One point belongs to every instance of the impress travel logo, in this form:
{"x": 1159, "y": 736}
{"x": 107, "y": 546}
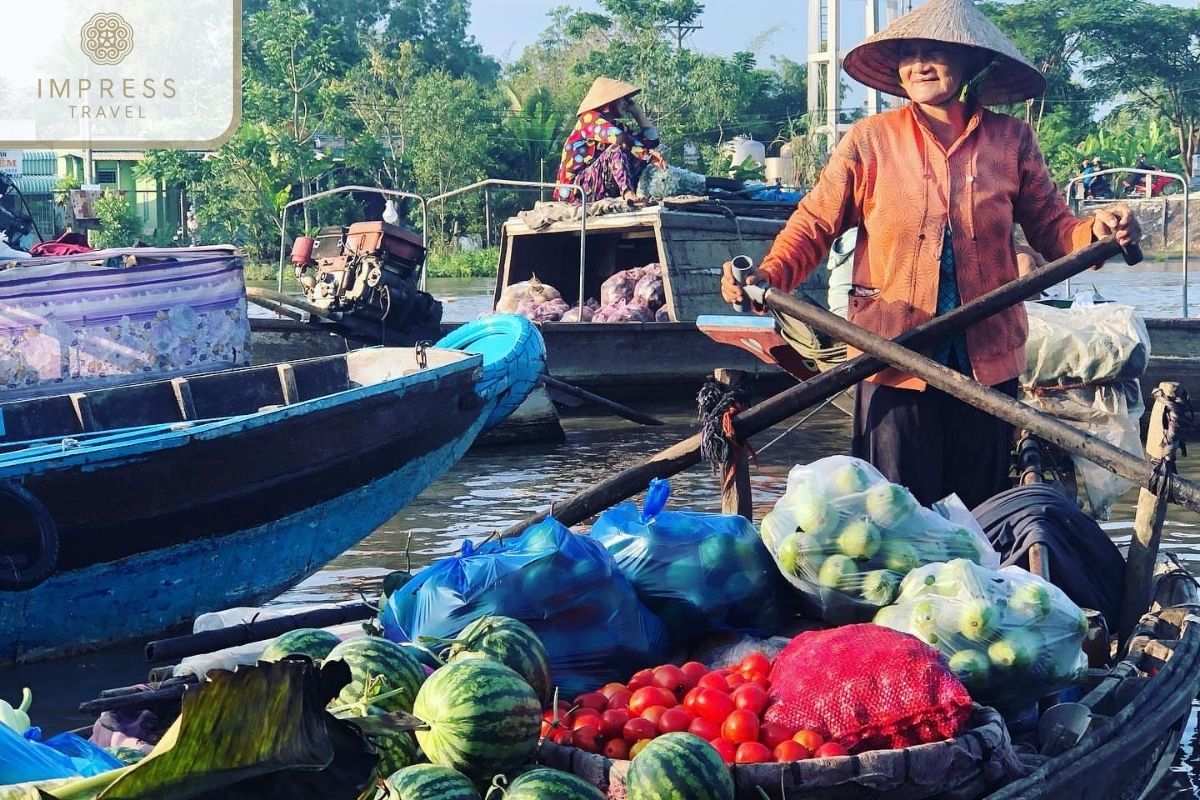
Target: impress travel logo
{"x": 138, "y": 74}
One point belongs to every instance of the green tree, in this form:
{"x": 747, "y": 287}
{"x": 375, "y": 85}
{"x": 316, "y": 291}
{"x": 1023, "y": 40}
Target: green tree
{"x": 120, "y": 223}
{"x": 1149, "y": 55}
{"x": 437, "y": 29}
{"x": 534, "y": 130}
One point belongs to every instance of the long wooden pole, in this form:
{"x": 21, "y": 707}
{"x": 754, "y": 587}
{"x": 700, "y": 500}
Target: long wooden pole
{"x": 686, "y": 453}
{"x": 1115, "y": 460}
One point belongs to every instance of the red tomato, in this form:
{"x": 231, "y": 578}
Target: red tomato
{"x": 654, "y": 714}
{"x": 810, "y": 739}
{"x": 753, "y": 753}
{"x": 643, "y": 677}
{"x": 613, "y": 721}
{"x": 734, "y": 680}
{"x": 608, "y": 689}
{"x": 644, "y": 698}
{"x": 791, "y": 751}
{"x": 726, "y": 748}
{"x": 713, "y": 680}
{"x": 637, "y": 729}
{"x": 689, "y": 701}
{"x": 704, "y": 729}
{"x": 694, "y": 671}
{"x": 674, "y": 720}
{"x": 755, "y": 662}
{"x": 714, "y": 706}
{"x": 758, "y": 680}
{"x": 831, "y": 750}
{"x": 750, "y": 697}
{"x": 592, "y": 700}
{"x": 616, "y": 749}
{"x": 585, "y": 716}
{"x": 561, "y": 736}
{"x": 587, "y": 738}
{"x": 620, "y": 699}
{"x": 671, "y": 678}
{"x": 740, "y": 726}
{"x": 772, "y": 734}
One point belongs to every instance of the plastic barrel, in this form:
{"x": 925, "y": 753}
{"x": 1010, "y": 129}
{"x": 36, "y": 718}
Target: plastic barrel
{"x": 514, "y": 357}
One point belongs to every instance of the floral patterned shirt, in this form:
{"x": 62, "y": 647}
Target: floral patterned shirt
{"x": 595, "y": 131}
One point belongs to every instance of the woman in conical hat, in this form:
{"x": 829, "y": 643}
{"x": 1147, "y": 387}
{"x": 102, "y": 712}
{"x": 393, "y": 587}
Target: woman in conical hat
{"x": 934, "y": 189}
{"x": 603, "y": 155}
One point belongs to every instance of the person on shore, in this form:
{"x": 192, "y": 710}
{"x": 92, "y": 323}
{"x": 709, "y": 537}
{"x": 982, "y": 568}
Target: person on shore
{"x": 1086, "y": 169}
{"x": 604, "y": 155}
{"x": 934, "y": 189}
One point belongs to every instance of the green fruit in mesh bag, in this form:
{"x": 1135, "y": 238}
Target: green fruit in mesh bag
{"x": 961, "y": 544}
{"x": 954, "y": 579}
{"x": 838, "y": 572}
{"x": 773, "y": 531}
{"x": 791, "y": 556}
{"x": 850, "y": 478}
{"x": 812, "y": 514}
{"x": 891, "y": 617}
{"x": 977, "y": 619}
{"x": 924, "y": 618}
{"x": 899, "y": 555}
{"x": 1016, "y": 650}
{"x": 1029, "y": 601}
{"x": 880, "y": 587}
{"x": 972, "y": 668}
{"x": 859, "y": 539}
{"x": 889, "y": 504}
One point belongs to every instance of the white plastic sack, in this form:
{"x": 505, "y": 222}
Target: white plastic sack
{"x": 1084, "y": 344}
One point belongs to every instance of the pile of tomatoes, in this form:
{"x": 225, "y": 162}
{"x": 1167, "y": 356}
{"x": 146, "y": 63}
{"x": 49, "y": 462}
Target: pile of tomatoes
{"x": 722, "y": 706}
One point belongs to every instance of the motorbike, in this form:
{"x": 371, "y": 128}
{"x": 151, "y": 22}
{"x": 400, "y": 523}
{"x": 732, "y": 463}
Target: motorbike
{"x": 1100, "y": 189}
{"x": 1135, "y": 185}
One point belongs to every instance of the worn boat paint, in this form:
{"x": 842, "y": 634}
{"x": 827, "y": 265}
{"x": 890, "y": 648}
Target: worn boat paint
{"x": 166, "y": 521}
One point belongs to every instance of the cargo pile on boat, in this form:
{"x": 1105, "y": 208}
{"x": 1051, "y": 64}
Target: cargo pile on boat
{"x": 631, "y": 295}
{"x": 661, "y": 657}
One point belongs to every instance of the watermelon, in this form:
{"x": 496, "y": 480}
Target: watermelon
{"x": 513, "y": 644}
{"x": 678, "y": 766}
{"x": 551, "y": 784}
{"x": 394, "y": 666}
{"x": 431, "y": 782}
{"x": 312, "y": 642}
{"x": 483, "y": 717}
{"x": 397, "y": 750}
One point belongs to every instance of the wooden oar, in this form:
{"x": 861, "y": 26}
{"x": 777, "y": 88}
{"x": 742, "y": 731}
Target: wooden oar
{"x": 631, "y": 414}
{"x": 816, "y": 390}
{"x": 1133, "y": 468}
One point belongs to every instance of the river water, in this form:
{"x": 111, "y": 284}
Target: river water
{"x": 492, "y": 488}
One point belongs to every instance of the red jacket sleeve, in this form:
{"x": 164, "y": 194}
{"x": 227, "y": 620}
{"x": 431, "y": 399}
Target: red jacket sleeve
{"x": 1041, "y": 212}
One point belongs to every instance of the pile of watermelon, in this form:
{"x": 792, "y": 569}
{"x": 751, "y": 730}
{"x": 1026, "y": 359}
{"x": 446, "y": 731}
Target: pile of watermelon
{"x": 723, "y": 707}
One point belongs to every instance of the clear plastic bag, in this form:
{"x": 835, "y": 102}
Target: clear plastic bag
{"x": 564, "y": 586}
{"x": 1008, "y": 635}
{"x": 700, "y": 573}
{"x": 1108, "y": 411}
{"x": 845, "y": 537}
{"x": 1084, "y": 344}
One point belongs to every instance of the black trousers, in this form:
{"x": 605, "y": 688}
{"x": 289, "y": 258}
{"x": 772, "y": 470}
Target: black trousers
{"x": 933, "y": 443}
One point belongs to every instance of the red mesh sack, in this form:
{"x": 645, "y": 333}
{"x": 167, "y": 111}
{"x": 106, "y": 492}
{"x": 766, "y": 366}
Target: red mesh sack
{"x": 867, "y": 687}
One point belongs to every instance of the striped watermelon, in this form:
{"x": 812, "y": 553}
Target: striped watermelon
{"x": 551, "y": 784}
{"x": 513, "y": 644}
{"x": 431, "y": 782}
{"x": 483, "y": 717}
{"x": 312, "y": 642}
{"x": 678, "y": 766}
{"x": 375, "y": 658}
{"x": 397, "y": 750}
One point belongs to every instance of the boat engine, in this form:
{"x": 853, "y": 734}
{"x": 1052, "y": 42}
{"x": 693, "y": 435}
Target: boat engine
{"x": 366, "y": 276}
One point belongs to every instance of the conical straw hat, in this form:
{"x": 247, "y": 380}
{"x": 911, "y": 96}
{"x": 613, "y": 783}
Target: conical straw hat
{"x": 1011, "y": 79}
{"x": 605, "y": 91}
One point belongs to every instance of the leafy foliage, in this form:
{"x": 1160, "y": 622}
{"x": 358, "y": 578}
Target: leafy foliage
{"x": 120, "y": 223}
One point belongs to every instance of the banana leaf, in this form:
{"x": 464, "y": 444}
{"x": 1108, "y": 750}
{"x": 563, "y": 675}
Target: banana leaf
{"x": 260, "y": 732}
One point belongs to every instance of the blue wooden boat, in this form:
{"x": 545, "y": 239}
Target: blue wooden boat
{"x": 129, "y": 510}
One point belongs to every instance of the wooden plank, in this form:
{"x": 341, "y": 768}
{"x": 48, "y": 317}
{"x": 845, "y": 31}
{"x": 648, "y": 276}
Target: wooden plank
{"x": 83, "y": 411}
{"x": 287, "y": 383}
{"x": 183, "y": 397}
{"x": 736, "y": 497}
{"x": 669, "y": 294}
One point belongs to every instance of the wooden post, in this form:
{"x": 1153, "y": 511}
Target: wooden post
{"x": 1029, "y": 466}
{"x": 1161, "y": 441}
{"x": 183, "y": 397}
{"x": 735, "y": 472}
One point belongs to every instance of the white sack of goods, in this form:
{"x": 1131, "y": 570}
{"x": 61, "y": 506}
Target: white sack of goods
{"x": 528, "y": 298}
{"x": 845, "y": 537}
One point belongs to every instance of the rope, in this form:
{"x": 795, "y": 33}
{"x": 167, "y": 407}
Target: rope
{"x": 797, "y": 424}
{"x": 715, "y": 407}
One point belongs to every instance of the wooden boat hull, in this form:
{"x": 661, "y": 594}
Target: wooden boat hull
{"x": 156, "y": 529}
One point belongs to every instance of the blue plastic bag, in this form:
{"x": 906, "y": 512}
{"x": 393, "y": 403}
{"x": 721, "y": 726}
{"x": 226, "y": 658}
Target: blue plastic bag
{"x": 562, "y": 585}
{"x": 700, "y": 573}
{"x": 63, "y": 756}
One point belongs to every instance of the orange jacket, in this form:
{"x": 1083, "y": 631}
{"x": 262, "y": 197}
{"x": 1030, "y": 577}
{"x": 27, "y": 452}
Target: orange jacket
{"x": 891, "y": 177}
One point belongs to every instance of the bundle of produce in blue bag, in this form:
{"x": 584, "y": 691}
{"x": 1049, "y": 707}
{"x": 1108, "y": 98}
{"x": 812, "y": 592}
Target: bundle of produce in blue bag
{"x": 700, "y": 573}
{"x": 565, "y": 587}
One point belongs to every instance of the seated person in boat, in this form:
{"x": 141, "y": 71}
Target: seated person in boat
{"x": 604, "y": 155}
{"x": 934, "y": 188}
